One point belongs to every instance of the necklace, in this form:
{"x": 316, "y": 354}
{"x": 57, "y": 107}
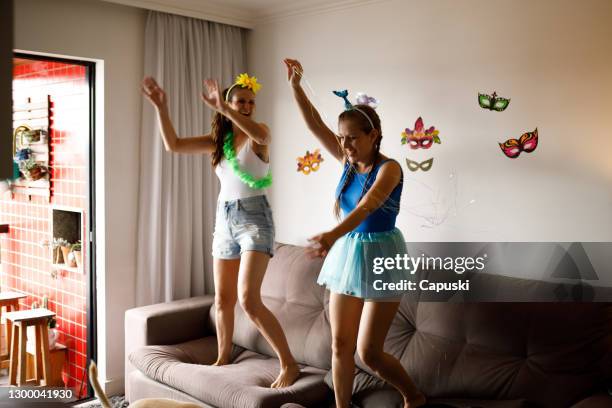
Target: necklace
{"x": 365, "y": 184}
{"x": 247, "y": 178}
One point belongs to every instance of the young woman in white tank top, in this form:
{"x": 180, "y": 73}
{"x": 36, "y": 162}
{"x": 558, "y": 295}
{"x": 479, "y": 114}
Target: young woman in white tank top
{"x": 244, "y": 230}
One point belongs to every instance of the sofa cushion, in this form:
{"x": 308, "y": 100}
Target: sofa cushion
{"x": 600, "y": 400}
{"x": 389, "y": 398}
{"x": 143, "y": 387}
{"x": 369, "y": 391}
{"x": 361, "y": 382}
{"x": 244, "y": 383}
{"x": 291, "y": 292}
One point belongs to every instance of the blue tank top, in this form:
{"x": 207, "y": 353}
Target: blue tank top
{"x": 383, "y": 218}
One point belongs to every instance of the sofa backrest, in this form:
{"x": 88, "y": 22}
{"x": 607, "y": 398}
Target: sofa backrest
{"x": 552, "y": 354}
{"x": 290, "y": 291}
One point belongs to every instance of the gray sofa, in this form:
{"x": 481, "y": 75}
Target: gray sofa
{"x": 464, "y": 354}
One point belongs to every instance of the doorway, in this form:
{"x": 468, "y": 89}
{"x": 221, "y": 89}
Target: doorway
{"x": 48, "y": 252}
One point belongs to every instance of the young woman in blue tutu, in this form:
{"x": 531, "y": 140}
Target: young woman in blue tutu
{"x": 368, "y": 195}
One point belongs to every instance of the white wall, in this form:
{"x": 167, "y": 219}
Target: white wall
{"x": 431, "y": 58}
{"x": 114, "y": 34}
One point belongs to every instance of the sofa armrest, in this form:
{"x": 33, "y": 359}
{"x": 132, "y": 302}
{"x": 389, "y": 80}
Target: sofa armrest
{"x": 595, "y": 401}
{"x": 166, "y": 323}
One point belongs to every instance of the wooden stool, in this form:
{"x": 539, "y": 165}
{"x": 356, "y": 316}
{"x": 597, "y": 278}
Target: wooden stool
{"x": 10, "y": 300}
{"x": 57, "y": 359}
{"x": 21, "y": 320}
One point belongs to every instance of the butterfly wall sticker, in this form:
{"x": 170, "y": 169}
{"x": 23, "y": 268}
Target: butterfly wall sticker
{"x": 493, "y": 102}
{"x": 528, "y": 142}
{"x": 309, "y": 162}
{"x": 420, "y": 137}
{"x": 424, "y": 166}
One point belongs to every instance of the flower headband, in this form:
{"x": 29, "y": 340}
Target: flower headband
{"x": 246, "y": 82}
{"x": 362, "y": 99}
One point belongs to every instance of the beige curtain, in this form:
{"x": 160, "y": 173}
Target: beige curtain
{"x": 178, "y": 192}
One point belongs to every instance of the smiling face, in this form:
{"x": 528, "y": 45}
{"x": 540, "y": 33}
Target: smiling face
{"x": 358, "y": 145}
{"x": 356, "y": 136}
{"x": 243, "y": 101}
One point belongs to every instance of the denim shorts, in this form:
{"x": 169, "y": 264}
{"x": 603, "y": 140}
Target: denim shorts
{"x": 243, "y": 225}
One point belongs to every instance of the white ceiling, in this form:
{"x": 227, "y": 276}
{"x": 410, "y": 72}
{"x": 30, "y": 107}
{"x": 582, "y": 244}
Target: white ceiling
{"x": 243, "y": 13}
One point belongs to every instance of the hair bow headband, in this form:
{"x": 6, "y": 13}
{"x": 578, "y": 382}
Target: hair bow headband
{"x": 362, "y": 99}
{"x": 344, "y": 95}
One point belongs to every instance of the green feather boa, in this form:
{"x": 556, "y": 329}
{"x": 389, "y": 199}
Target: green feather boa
{"x": 247, "y": 178}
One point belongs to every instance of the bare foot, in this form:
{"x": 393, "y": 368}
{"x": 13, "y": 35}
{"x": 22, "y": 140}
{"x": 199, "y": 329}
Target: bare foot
{"x": 221, "y": 361}
{"x": 415, "y": 402}
{"x": 287, "y": 376}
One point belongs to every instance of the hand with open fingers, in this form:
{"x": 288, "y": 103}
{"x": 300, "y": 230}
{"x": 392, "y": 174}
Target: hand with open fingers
{"x": 212, "y": 96}
{"x": 321, "y": 244}
{"x": 294, "y": 71}
{"x": 154, "y": 93}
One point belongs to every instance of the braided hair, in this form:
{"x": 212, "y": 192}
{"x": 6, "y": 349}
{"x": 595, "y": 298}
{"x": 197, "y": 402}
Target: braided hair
{"x": 357, "y": 116}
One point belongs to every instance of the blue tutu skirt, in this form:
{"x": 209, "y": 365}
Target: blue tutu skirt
{"x": 350, "y": 266}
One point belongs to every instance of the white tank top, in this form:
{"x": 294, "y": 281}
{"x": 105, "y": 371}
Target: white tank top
{"x": 232, "y": 188}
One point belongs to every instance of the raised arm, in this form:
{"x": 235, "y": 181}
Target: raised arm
{"x": 387, "y": 178}
{"x": 157, "y": 97}
{"x": 258, "y": 132}
{"x": 310, "y": 114}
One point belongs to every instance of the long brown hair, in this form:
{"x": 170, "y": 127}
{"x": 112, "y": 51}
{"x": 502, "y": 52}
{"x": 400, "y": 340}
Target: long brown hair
{"x": 363, "y": 123}
{"x": 220, "y": 125}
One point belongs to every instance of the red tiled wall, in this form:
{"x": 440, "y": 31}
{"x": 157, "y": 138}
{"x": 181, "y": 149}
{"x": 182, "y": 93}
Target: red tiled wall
{"x": 26, "y": 265}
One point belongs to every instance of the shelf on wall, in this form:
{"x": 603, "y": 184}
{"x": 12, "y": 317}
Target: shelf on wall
{"x": 30, "y": 191}
{"x": 33, "y": 116}
{"x": 65, "y": 267}
{"x": 66, "y": 224}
